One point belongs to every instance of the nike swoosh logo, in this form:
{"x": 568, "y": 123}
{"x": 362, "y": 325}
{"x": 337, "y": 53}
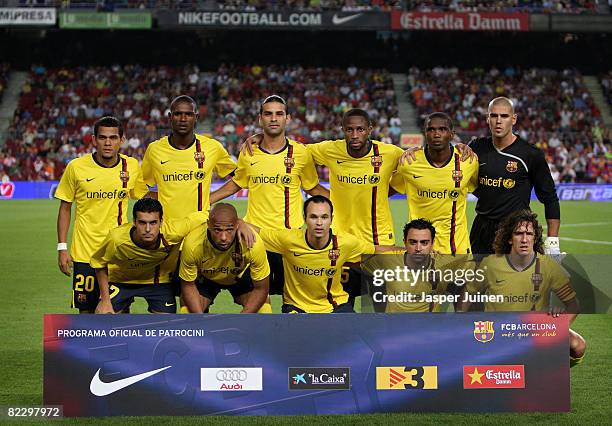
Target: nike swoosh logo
{"x": 482, "y": 164}
{"x": 252, "y": 164}
{"x": 169, "y": 304}
{"x": 100, "y": 388}
{"x": 301, "y": 254}
{"x": 340, "y": 162}
{"x": 416, "y": 177}
{"x": 499, "y": 281}
{"x": 164, "y": 162}
{"x": 89, "y": 180}
{"x": 337, "y": 20}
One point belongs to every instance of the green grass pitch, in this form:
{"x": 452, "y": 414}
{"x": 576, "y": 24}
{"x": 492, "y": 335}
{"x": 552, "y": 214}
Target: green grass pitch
{"x": 31, "y": 285}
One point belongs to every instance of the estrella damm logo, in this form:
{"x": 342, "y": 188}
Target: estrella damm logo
{"x": 512, "y": 166}
{"x": 484, "y": 331}
{"x": 200, "y": 175}
{"x": 509, "y": 183}
{"x": 286, "y": 180}
{"x": 401, "y": 378}
{"x": 374, "y": 179}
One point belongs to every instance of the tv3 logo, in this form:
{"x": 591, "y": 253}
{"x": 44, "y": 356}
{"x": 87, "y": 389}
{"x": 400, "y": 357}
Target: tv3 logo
{"x": 7, "y": 189}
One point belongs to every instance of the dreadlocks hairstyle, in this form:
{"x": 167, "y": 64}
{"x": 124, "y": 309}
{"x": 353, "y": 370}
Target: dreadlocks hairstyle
{"x": 506, "y": 228}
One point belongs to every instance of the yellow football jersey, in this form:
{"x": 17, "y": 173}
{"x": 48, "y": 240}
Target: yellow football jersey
{"x": 359, "y": 188}
{"x": 200, "y": 257}
{"x": 527, "y": 290}
{"x": 130, "y": 264}
{"x": 439, "y": 194}
{"x": 101, "y": 196}
{"x": 312, "y": 276}
{"x": 275, "y": 183}
{"x": 183, "y": 176}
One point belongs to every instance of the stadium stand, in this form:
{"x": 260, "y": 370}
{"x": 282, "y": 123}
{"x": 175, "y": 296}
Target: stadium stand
{"x": 606, "y": 85}
{"x": 531, "y": 6}
{"x": 556, "y": 112}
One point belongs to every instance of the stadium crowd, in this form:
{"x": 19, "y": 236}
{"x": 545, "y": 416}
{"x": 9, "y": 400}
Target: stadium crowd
{"x": 531, "y": 6}
{"x": 556, "y": 112}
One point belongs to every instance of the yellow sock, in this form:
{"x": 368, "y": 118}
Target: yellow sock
{"x": 266, "y": 308}
{"x": 183, "y": 310}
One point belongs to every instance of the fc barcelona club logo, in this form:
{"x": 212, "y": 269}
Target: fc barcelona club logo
{"x": 237, "y": 257}
{"x": 484, "y": 331}
{"x": 536, "y": 279}
{"x": 512, "y": 166}
{"x": 124, "y": 175}
{"x": 334, "y": 255}
{"x": 457, "y": 175}
{"x": 199, "y": 157}
{"x": 289, "y": 162}
{"x": 376, "y": 160}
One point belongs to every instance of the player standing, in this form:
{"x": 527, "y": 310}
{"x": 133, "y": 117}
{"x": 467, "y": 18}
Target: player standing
{"x": 99, "y": 184}
{"x": 217, "y": 254}
{"x": 437, "y": 183}
{"x": 508, "y": 169}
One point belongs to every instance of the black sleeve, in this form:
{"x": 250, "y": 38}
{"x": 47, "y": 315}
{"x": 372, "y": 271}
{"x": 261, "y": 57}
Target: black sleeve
{"x": 539, "y": 174}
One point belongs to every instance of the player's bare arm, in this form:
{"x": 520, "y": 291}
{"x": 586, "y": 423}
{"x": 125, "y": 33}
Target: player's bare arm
{"x": 245, "y": 232}
{"x": 228, "y": 188}
{"x": 191, "y": 297}
{"x": 63, "y": 224}
{"x": 104, "y": 305}
{"x": 256, "y": 297}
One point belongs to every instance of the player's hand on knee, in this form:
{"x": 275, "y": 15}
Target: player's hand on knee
{"x": 409, "y": 155}
{"x": 246, "y": 233}
{"x": 555, "y": 311}
{"x": 247, "y": 145}
{"x": 64, "y": 260}
{"x": 104, "y": 307}
{"x": 466, "y": 152}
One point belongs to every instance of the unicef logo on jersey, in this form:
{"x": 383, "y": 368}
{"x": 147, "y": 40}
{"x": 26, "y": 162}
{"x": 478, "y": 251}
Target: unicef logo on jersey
{"x": 509, "y": 183}
{"x": 122, "y": 194}
{"x": 286, "y": 180}
{"x": 330, "y": 272}
{"x": 374, "y": 179}
{"x": 453, "y": 195}
{"x": 200, "y": 175}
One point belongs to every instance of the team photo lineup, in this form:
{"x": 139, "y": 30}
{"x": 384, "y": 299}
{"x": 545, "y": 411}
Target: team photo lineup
{"x": 436, "y": 175}
{"x": 175, "y": 246}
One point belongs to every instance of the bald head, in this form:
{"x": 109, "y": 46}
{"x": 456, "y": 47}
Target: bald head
{"x": 501, "y": 101}
{"x": 222, "y": 224}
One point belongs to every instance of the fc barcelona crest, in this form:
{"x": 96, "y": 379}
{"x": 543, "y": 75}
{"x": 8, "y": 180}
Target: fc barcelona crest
{"x": 289, "y": 162}
{"x": 512, "y": 166}
{"x": 484, "y": 331}
{"x": 334, "y": 254}
{"x": 457, "y": 175}
{"x": 199, "y": 157}
{"x": 536, "y": 279}
{"x": 124, "y": 175}
{"x": 376, "y": 160}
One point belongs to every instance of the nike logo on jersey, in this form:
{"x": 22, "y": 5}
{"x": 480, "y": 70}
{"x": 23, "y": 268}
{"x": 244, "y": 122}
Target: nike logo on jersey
{"x": 340, "y": 162}
{"x": 169, "y": 304}
{"x": 100, "y": 388}
{"x": 164, "y": 162}
{"x": 301, "y": 254}
{"x": 90, "y": 179}
{"x": 337, "y": 20}
{"x": 499, "y": 281}
{"x": 416, "y": 177}
{"x": 252, "y": 164}
{"x": 481, "y": 164}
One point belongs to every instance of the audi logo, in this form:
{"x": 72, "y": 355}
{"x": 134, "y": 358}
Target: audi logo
{"x": 231, "y": 375}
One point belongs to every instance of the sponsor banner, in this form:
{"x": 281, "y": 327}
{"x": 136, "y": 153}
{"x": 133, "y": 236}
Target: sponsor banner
{"x": 103, "y": 365}
{"x": 231, "y": 379}
{"x": 449, "y": 21}
{"x": 27, "y": 16}
{"x": 105, "y": 20}
{"x": 493, "y": 376}
{"x": 319, "y": 378}
{"x": 274, "y": 20}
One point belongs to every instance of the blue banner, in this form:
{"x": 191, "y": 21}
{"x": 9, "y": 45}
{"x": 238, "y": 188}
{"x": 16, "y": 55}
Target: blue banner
{"x": 104, "y": 365}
